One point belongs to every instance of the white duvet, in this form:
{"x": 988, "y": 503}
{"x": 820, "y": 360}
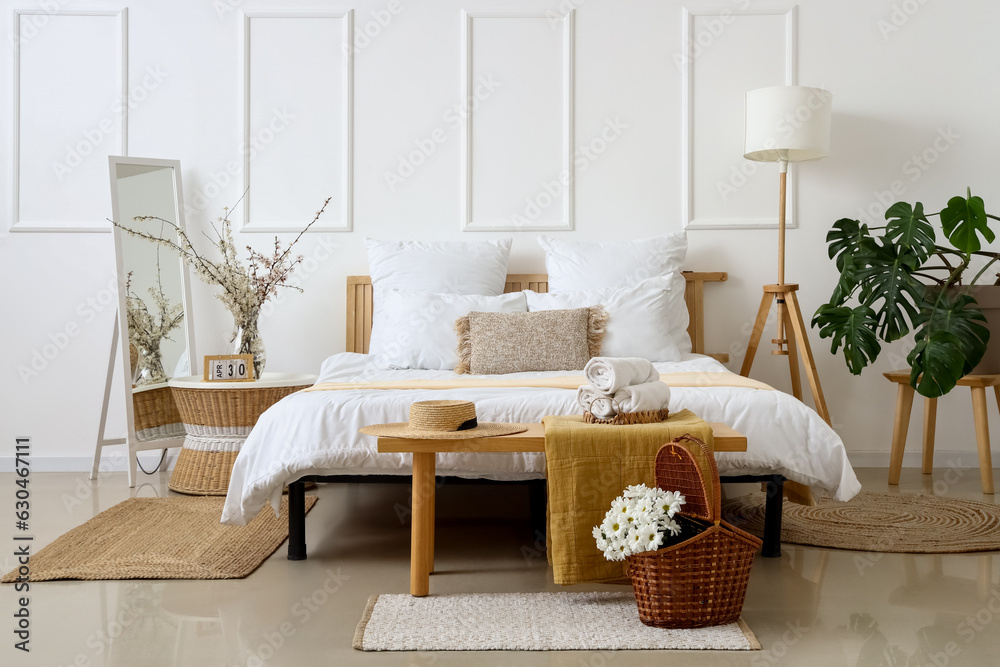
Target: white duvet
{"x": 316, "y": 433}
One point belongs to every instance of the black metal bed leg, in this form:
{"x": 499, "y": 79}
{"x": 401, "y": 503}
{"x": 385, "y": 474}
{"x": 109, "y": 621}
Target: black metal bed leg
{"x": 538, "y": 501}
{"x": 772, "y": 517}
{"x": 297, "y": 520}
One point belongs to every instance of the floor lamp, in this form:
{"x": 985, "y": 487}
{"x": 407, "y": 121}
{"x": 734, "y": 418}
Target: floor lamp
{"x": 787, "y": 124}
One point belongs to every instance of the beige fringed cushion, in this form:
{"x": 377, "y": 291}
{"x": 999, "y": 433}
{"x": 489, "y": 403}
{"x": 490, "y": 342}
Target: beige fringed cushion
{"x": 549, "y": 340}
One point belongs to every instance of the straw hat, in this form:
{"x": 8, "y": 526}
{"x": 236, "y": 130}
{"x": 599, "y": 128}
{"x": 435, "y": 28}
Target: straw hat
{"x": 443, "y": 420}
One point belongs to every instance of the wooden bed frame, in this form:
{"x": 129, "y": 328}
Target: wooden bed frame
{"x": 359, "y": 330}
{"x": 359, "y": 305}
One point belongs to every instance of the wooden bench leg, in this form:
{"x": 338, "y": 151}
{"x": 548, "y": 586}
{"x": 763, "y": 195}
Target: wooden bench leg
{"x": 930, "y": 424}
{"x": 904, "y": 402}
{"x": 297, "y": 520}
{"x": 432, "y": 522}
{"x": 422, "y": 535}
{"x": 983, "y": 437}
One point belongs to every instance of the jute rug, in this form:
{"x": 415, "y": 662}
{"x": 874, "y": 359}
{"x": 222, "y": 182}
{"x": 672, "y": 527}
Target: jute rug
{"x": 885, "y": 522}
{"x": 528, "y": 622}
{"x": 162, "y": 538}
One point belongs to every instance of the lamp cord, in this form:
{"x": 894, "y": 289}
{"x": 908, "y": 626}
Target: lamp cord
{"x": 150, "y": 472}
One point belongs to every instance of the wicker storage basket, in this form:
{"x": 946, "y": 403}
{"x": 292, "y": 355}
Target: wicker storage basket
{"x": 646, "y": 417}
{"x": 703, "y": 580}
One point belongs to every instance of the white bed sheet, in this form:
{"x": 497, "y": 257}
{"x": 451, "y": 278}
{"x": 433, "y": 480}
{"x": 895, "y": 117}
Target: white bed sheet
{"x": 316, "y": 433}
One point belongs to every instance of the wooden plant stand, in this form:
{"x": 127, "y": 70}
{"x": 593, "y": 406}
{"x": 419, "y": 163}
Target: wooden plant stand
{"x": 904, "y": 402}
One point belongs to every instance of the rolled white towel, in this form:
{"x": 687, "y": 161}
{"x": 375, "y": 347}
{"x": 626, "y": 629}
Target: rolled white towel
{"x": 609, "y": 374}
{"x": 604, "y": 408}
{"x": 590, "y": 400}
{"x": 642, "y": 397}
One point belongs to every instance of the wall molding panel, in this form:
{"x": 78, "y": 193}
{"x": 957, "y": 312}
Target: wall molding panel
{"x": 721, "y": 189}
{"x": 297, "y": 67}
{"x": 517, "y": 167}
{"x": 63, "y": 153}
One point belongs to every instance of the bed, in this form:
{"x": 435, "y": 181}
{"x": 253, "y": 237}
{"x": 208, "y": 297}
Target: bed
{"x": 315, "y": 435}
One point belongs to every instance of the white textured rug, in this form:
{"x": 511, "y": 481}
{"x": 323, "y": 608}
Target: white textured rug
{"x": 528, "y": 622}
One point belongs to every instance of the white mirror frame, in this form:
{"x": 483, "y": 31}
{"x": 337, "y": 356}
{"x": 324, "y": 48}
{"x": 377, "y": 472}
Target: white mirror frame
{"x": 120, "y": 336}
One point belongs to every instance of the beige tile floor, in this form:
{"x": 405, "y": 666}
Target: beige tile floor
{"x": 810, "y": 607}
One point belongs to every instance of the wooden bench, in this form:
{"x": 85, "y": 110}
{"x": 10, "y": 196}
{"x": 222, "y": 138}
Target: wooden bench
{"x": 425, "y": 452}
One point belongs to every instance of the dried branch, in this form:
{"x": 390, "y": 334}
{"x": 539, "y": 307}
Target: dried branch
{"x": 245, "y": 288}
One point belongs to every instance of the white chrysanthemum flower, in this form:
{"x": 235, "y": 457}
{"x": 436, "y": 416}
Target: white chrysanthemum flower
{"x": 637, "y": 536}
{"x": 638, "y": 521}
{"x": 652, "y": 538}
{"x": 619, "y": 506}
{"x": 600, "y": 538}
{"x": 614, "y": 527}
{"x": 675, "y": 498}
{"x": 636, "y": 490}
{"x": 672, "y": 526}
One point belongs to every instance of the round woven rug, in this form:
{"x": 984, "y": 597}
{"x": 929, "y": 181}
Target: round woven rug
{"x": 885, "y": 522}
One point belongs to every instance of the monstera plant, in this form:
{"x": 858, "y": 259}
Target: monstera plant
{"x": 897, "y": 278}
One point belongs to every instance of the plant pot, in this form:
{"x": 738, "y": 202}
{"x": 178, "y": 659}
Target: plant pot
{"x": 988, "y": 299}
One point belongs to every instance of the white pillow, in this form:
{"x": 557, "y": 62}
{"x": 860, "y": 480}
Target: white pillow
{"x": 641, "y": 318}
{"x": 575, "y": 266}
{"x": 419, "y": 329}
{"x": 444, "y": 267}
{"x": 453, "y": 267}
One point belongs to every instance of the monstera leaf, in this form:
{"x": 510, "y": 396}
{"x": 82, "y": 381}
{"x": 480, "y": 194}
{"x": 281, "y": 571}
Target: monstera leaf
{"x": 950, "y": 342}
{"x": 848, "y": 280}
{"x": 963, "y": 220}
{"x": 910, "y": 229}
{"x": 888, "y": 277}
{"x": 848, "y": 238}
{"x": 854, "y": 328}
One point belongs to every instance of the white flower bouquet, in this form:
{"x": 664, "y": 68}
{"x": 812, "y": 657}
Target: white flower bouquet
{"x": 638, "y": 521}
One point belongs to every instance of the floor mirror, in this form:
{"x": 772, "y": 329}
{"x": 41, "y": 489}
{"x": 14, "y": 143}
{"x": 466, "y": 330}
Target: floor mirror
{"x": 153, "y": 337}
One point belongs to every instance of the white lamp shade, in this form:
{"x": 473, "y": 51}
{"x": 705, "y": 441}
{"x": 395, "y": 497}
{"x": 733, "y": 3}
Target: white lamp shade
{"x": 787, "y": 123}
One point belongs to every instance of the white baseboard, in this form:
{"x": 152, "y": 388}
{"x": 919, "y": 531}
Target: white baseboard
{"x": 943, "y": 459}
{"x": 110, "y": 462}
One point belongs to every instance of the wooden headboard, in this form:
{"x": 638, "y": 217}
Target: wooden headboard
{"x": 359, "y": 305}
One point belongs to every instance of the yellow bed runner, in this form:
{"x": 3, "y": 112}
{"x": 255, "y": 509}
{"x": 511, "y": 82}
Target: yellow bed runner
{"x": 588, "y": 466}
{"x": 686, "y": 379}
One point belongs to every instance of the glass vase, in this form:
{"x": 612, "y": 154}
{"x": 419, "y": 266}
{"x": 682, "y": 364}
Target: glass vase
{"x": 150, "y": 368}
{"x": 247, "y": 340}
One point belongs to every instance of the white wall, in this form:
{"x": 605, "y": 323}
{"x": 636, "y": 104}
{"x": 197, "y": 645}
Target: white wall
{"x": 896, "y": 91}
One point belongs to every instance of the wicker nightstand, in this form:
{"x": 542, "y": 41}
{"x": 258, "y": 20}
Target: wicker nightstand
{"x": 217, "y": 418}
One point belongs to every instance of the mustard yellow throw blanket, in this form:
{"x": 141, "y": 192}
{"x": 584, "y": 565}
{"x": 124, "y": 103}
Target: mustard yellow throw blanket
{"x": 588, "y": 466}
{"x": 686, "y": 379}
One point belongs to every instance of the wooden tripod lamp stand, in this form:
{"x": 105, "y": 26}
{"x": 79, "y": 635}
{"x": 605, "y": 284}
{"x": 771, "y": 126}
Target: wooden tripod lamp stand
{"x": 787, "y": 124}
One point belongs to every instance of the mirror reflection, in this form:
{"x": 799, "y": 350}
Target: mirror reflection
{"x": 155, "y": 292}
